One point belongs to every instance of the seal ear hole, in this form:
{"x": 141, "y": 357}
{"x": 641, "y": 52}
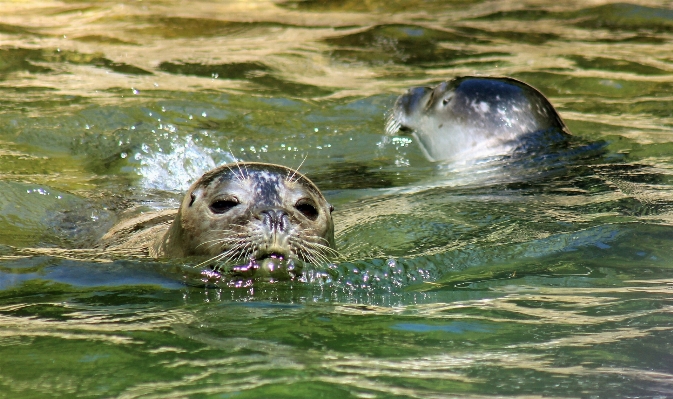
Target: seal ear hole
{"x": 223, "y": 205}
{"x": 193, "y": 198}
{"x": 307, "y": 208}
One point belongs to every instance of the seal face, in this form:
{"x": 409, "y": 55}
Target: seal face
{"x": 476, "y": 117}
{"x": 254, "y": 212}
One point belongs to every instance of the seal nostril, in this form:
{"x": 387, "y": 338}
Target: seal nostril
{"x": 275, "y": 219}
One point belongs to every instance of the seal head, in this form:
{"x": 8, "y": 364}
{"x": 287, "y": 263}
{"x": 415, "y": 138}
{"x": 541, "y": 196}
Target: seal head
{"x": 251, "y": 212}
{"x": 476, "y": 117}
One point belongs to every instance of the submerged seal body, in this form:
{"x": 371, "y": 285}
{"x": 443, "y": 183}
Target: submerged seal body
{"x": 263, "y": 215}
{"x": 476, "y": 117}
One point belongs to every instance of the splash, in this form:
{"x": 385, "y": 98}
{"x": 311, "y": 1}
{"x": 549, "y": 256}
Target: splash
{"x": 177, "y": 168}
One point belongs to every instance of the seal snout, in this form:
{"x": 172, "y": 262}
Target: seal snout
{"x": 276, "y": 220}
{"x": 414, "y": 100}
{"x": 275, "y": 223}
{"x": 406, "y": 108}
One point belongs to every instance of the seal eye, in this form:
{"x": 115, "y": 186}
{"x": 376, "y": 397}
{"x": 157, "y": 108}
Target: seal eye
{"x": 223, "y": 205}
{"x": 307, "y": 209}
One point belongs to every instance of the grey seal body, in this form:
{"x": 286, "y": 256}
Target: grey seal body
{"x": 476, "y": 117}
{"x": 261, "y": 217}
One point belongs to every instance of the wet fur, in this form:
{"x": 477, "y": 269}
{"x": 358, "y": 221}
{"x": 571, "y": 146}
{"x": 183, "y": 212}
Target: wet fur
{"x": 476, "y": 117}
{"x": 241, "y": 234}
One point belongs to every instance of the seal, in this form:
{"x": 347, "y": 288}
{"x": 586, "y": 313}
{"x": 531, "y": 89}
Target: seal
{"x": 267, "y": 216}
{"x": 473, "y": 117}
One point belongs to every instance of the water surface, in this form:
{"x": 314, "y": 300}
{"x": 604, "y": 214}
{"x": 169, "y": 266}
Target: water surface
{"x": 549, "y": 277}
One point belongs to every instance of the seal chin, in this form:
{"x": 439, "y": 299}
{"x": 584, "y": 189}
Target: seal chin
{"x": 273, "y": 266}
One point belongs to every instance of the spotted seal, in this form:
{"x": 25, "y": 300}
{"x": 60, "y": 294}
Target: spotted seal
{"x": 265, "y": 216}
{"x": 476, "y": 117}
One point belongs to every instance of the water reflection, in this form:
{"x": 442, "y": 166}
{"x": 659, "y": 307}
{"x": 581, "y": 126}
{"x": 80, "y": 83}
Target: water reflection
{"x": 541, "y": 278}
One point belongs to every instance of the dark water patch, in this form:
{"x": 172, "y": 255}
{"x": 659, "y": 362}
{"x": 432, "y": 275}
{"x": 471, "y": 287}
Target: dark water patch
{"x": 637, "y": 151}
{"x": 77, "y": 10}
{"x": 254, "y": 72}
{"x": 183, "y": 27}
{"x": 648, "y": 107}
{"x": 31, "y": 60}
{"x": 513, "y": 36}
{"x": 97, "y": 60}
{"x": 569, "y": 259}
{"x": 369, "y": 6}
{"x": 272, "y": 84}
{"x": 559, "y": 84}
{"x": 18, "y": 59}
{"x": 118, "y": 67}
{"x": 637, "y": 38}
{"x": 26, "y": 211}
{"x": 354, "y": 175}
{"x": 17, "y": 30}
{"x": 616, "y": 65}
{"x": 102, "y": 39}
{"x": 43, "y": 311}
{"x": 399, "y": 44}
{"x": 632, "y": 173}
{"x": 238, "y": 70}
{"x": 119, "y": 273}
{"x": 627, "y": 17}
{"x": 28, "y": 99}
{"x": 518, "y": 15}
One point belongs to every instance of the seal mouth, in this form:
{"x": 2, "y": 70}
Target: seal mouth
{"x": 406, "y": 109}
{"x": 271, "y": 253}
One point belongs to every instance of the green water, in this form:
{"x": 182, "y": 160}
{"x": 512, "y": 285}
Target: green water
{"x": 546, "y": 278}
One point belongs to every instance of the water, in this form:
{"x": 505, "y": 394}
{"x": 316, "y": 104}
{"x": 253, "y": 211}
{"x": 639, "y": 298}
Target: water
{"x": 545, "y": 278}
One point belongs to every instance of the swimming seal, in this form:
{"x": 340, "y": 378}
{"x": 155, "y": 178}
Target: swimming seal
{"x": 266, "y": 216}
{"x": 476, "y": 117}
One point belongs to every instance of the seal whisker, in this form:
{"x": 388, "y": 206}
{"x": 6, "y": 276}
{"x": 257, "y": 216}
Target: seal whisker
{"x": 224, "y": 241}
{"x": 239, "y": 178}
{"x": 231, "y": 230}
{"x": 321, "y": 247}
{"x": 392, "y": 124}
{"x": 294, "y": 172}
{"x": 314, "y": 251}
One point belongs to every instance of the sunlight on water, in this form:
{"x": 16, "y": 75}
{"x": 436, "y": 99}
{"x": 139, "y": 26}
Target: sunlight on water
{"x": 548, "y": 275}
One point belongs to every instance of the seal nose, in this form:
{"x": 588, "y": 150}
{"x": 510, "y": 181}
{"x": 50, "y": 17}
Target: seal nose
{"x": 275, "y": 219}
{"x": 412, "y": 101}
